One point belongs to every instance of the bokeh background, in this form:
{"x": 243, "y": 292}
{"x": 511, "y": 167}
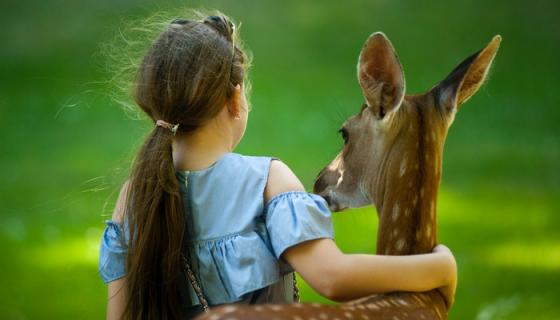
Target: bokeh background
{"x": 66, "y": 145}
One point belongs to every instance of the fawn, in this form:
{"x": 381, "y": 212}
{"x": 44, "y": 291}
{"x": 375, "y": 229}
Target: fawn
{"x": 391, "y": 158}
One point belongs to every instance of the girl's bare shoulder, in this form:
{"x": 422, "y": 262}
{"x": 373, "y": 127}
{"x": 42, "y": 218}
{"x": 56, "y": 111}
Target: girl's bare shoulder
{"x": 281, "y": 179}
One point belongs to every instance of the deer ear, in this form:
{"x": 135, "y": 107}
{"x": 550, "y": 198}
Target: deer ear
{"x": 465, "y": 80}
{"x": 380, "y": 75}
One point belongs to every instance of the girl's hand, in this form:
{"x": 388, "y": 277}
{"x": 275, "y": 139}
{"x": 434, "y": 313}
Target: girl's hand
{"x": 449, "y": 289}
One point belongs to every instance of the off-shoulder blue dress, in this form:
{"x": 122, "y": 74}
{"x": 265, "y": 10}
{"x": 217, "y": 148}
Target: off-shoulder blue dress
{"x": 235, "y": 240}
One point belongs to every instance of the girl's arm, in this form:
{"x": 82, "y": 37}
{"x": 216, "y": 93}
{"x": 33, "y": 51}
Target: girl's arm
{"x": 342, "y": 277}
{"x": 117, "y": 288}
{"x": 117, "y": 299}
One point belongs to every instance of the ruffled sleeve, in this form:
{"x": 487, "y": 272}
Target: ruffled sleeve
{"x": 296, "y": 216}
{"x": 112, "y": 252}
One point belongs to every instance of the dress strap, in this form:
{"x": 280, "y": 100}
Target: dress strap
{"x": 296, "y": 290}
{"x": 192, "y": 279}
{"x": 195, "y": 285}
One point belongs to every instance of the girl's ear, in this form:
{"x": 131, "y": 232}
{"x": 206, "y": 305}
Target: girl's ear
{"x": 234, "y": 103}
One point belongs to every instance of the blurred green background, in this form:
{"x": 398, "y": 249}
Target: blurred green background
{"x": 66, "y": 145}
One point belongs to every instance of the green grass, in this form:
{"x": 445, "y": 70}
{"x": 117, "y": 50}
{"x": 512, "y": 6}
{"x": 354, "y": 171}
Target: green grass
{"x": 66, "y": 146}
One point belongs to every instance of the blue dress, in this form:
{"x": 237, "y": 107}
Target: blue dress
{"x": 235, "y": 240}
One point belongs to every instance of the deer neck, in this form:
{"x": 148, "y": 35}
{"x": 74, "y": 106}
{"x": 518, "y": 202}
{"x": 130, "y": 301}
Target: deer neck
{"x": 407, "y": 197}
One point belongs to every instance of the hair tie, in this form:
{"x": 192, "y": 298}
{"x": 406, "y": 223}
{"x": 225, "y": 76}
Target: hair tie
{"x": 167, "y": 125}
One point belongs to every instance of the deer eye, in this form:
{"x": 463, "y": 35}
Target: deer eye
{"x": 344, "y": 133}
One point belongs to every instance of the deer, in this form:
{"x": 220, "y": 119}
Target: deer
{"x": 391, "y": 158}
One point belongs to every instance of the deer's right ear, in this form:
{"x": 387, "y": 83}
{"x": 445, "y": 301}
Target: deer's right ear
{"x": 380, "y": 75}
{"x": 465, "y": 80}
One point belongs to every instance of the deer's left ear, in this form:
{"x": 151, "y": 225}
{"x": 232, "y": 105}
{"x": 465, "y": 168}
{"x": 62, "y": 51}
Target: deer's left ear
{"x": 380, "y": 75}
{"x": 465, "y": 80}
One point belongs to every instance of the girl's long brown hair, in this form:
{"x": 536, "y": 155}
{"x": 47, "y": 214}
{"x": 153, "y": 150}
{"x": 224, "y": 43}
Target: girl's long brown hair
{"x": 186, "y": 77}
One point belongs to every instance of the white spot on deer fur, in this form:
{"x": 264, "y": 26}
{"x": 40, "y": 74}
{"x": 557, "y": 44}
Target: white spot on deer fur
{"x": 365, "y": 317}
{"x": 403, "y": 168}
{"x": 395, "y": 318}
{"x": 323, "y": 316}
{"x": 333, "y": 166}
{"x": 341, "y": 173}
{"x": 315, "y": 305}
{"x": 415, "y": 200}
{"x": 395, "y": 214}
{"x": 433, "y": 136}
{"x": 348, "y": 315}
{"x": 276, "y": 308}
{"x": 229, "y": 309}
{"x": 395, "y": 233}
{"x": 422, "y": 316}
{"x": 400, "y": 244}
{"x": 403, "y": 302}
{"x": 428, "y": 231}
{"x": 372, "y": 306}
{"x": 406, "y": 212}
{"x": 215, "y": 316}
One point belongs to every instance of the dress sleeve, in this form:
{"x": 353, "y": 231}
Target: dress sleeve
{"x": 296, "y": 216}
{"x": 112, "y": 252}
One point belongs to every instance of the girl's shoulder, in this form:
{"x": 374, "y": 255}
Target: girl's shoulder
{"x": 279, "y": 178}
{"x": 248, "y": 159}
{"x": 230, "y": 168}
{"x": 239, "y": 161}
{"x": 249, "y": 166}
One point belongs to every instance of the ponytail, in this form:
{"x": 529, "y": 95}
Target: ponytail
{"x": 155, "y": 212}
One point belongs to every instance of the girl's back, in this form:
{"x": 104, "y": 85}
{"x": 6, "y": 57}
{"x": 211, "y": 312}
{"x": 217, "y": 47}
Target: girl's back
{"x": 234, "y": 239}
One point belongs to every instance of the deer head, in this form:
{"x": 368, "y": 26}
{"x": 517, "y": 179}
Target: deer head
{"x": 392, "y": 149}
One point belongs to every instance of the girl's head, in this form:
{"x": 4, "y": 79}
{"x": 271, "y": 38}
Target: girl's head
{"x": 192, "y": 74}
{"x": 192, "y": 71}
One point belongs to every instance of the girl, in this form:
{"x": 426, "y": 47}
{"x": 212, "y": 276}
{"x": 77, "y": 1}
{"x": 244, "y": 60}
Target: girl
{"x": 209, "y": 225}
